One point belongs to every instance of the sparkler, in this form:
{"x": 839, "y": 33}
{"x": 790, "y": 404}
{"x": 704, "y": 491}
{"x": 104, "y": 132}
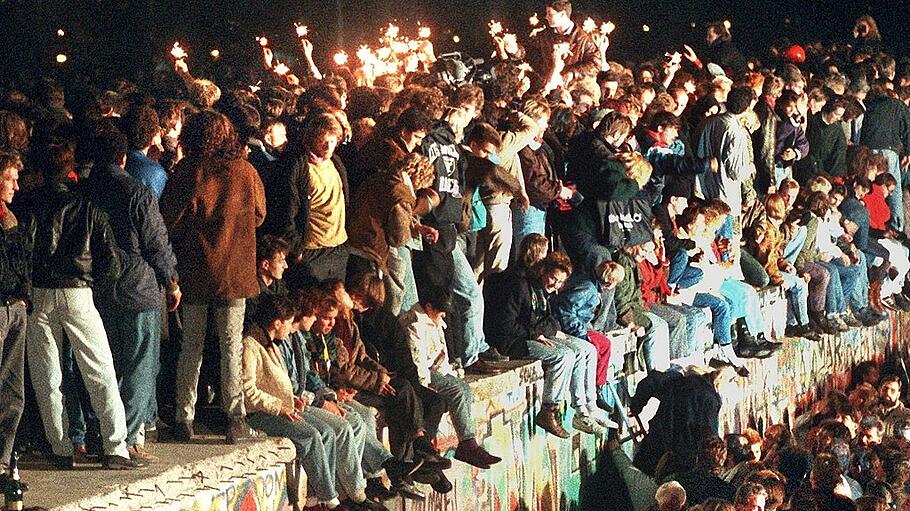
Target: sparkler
{"x": 302, "y": 30}
{"x": 263, "y": 41}
{"x": 61, "y": 58}
{"x": 281, "y": 69}
{"x": 534, "y": 20}
{"x": 215, "y": 53}
{"x": 61, "y": 33}
{"x": 607, "y": 28}
{"x": 589, "y": 25}
{"x": 392, "y": 31}
{"x": 424, "y": 33}
{"x": 256, "y": 88}
{"x": 495, "y": 28}
{"x": 340, "y": 58}
{"x": 645, "y": 28}
{"x": 177, "y": 52}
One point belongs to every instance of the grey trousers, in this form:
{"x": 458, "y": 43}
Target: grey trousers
{"x": 229, "y": 329}
{"x": 12, "y": 376}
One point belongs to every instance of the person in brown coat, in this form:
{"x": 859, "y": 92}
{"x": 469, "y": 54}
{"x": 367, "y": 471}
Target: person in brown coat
{"x": 212, "y": 206}
{"x": 583, "y": 58}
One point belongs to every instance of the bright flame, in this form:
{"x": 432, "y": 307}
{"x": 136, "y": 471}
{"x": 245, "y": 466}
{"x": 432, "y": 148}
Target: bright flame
{"x": 534, "y": 20}
{"x": 61, "y": 33}
{"x": 589, "y": 25}
{"x": 495, "y": 28}
{"x": 456, "y": 39}
{"x": 365, "y": 54}
{"x": 424, "y": 33}
{"x": 61, "y": 58}
{"x": 392, "y": 31}
{"x": 608, "y": 27}
{"x": 399, "y": 47}
{"x": 281, "y": 69}
{"x": 384, "y": 53}
{"x": 216, "y": 53}
{"x": 302, "y": 30}
{"x": 728, "y": 24}
{"x": 256, "y": 88}
{"x": 340, "y": 58}
{"x": 645, "y": 28}
{"x": 562, "y": 49}
{"x": 177, "y": 52}
{"x": 263, "y": 41}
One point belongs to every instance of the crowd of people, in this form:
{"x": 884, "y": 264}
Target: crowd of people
{"x": 354, "y": 243}
{"x": 850, "y": 451}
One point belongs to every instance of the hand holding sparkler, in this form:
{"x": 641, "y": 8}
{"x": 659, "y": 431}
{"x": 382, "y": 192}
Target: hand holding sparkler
{"x": 180, "y": 55}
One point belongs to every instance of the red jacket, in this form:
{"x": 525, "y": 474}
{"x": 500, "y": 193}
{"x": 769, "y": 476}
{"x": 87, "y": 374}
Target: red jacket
{"x": 654, "y": 287}
{"x": 879, "y": 213}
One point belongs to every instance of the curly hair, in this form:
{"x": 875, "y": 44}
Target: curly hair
{"x": 210, "y": 135}
{"x": 140, "y": 125}
{"x": 204, "y": 93}
{"x": 13, "y": 132}
{"x": 418, "y": 168}
{"x": 554, "y": 261}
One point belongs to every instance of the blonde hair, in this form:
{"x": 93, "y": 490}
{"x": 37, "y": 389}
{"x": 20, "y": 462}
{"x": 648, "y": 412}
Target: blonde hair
{"x": 204, "y": 93}
{"x": 536, "y": 108}
{"x": 610, "y": 272}
{"x": 819, "y": 184}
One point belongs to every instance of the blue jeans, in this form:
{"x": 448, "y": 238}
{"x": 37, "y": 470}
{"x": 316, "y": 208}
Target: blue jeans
{"x": 374, "y": 453}
{"x": 721, "y": 317}
{"x": 656, "y": 344}
{"x": 695, "y": 319}
{"x": 744, "y": 303}
{"x": 583, "y": 384}
{"x": 855, "y": 282}
{"x": 524, "y": 222}
{"x": 401, "y": 290}
{"x": 797, "y": 299}
{"x": 795, "y": 245}
{"x": 349, "y": 441}
{"x": 558, "y": 362}
{"x": 135, "y": 339}
{"x": 467, "y": 341}
{"x": 315, "y": 449}
{"x": 835, "y": 302}
{"x": 896, "y": 198}
{"x": 458, "y": 399}
{"x": 677, "y": 325}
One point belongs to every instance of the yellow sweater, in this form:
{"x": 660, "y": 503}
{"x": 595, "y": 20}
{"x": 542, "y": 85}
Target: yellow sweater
{"x": 327, "y": 217}
{"x": 266, "y": 385}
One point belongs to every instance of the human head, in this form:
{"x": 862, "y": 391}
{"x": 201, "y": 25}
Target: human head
{"x": 889, "y": 390}
{"x": 367, "y": 291}
{"x": 614, "y": 129}
{"x": 60, "y": 159}
{"x": 558, "y": 13}
{"x": 470, "y": 98}
{"x": 861, "y": 187}
{"x": 210, "y": 135}
{"x": 789, "y": 187}
{"x": 750, "y": 497}
{"x": 170, "y": 117}
{"x": 413, "y": 125}
{"x": 717, "y": 32}
{"x": 10, "y": 166}
{"x": 275, "y": 314}
{"x": 204, "y": 93}
{"x": 13, "y": 132}
{"x": 712, "y": 453}
{"x": 871, "y": 430}
{"x": 739, "y": 100}
{"x": 307, "y": 301}
{"x": 738, "y": 448}
{"x": 670, "y": 496}
{"x": 271, "y": 257}
{"x": 532, "y": 249}
{"x": 109, "y": 147}
{"x": 786, "y": 103}
{"x": 666, "y": 126}
{"x": 539, "y": 111}
{"x": 326, "y": 314}
{"x": 321, "y": 135}
{"x": 834, "y": 110}
{"x": 866, "y": 28}
{"x": 274, "y": 133}
{"x": 886, "y": 181}
{"x": 610, "y": 273}
{"x": 825, "y": 474}
{"x": 754, "y": 443}
{"x": 552, "y": 271}
{"x": 483, "y": 140}
{"x": 775, "y": 486}
{"x": 435, "y": 301}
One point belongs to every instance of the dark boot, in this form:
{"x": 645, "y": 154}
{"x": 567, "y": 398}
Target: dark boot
{"x": 548, "y": 419}
{"x": 875, "y": 297}
{"x": 473, "y": 453}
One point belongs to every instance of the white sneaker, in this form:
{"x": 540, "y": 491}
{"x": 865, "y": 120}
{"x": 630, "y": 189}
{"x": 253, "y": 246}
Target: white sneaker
{"x": 332, "y": 504}
{"x": 602, "y": 418}
{"x": 359, "y": 496}
{"x": 586, "y": 424}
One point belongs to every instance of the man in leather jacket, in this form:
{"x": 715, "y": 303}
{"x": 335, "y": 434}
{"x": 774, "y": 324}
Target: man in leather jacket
{"x": 583, "y": 59}
{"x": 73, "y": 249}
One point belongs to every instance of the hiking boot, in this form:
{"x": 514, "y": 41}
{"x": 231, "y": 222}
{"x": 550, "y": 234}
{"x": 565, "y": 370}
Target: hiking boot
{"x": 442, "y": 484}
{"x": 472, "y": 453}
{"x": 838, "y": 323}
{"x": 493, "y": 355}
{"x": 548, "y": 419}
{"x": 238, "y": 431}
{"x": 114, "y": 462}
{"x": 377, "y": 491}
{"x": 481, "y": 367}
{"x": 138, "y": 452}
{"x": 586, "y": 424}
{"x": 852, "y": 321}
{"x": 183, "y": 432}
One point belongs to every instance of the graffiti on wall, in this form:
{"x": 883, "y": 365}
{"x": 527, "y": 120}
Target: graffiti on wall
{"x": 264, "y": 491}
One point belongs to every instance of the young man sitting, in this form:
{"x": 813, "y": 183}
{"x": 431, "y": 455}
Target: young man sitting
{"x": 426, "y": 339}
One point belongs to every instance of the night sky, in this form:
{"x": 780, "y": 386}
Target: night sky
{"x": 129, "y": 35}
